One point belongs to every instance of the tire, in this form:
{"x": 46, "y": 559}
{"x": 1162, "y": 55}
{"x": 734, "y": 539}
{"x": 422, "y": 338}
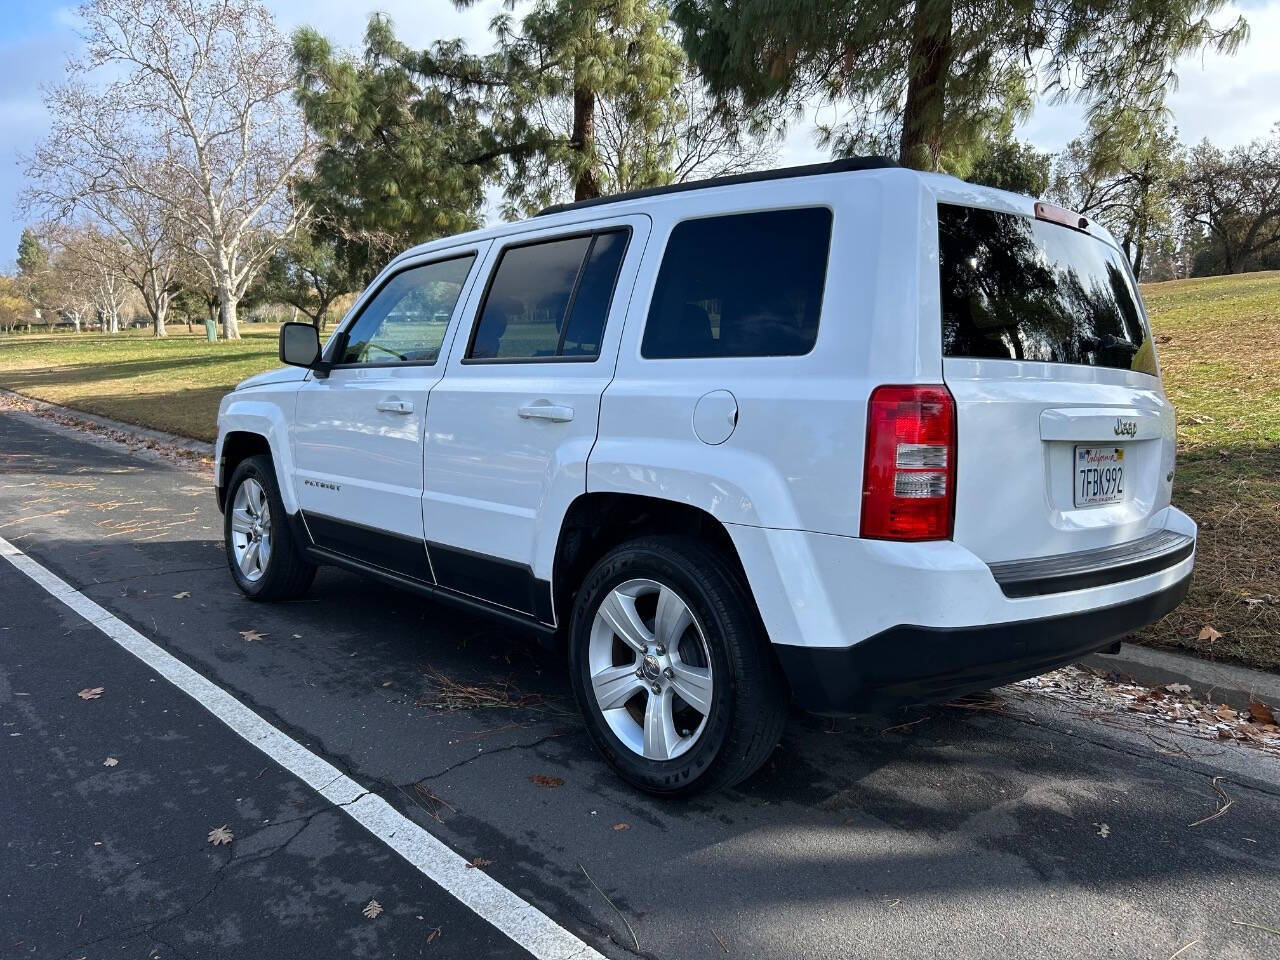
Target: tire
{"x": 286, "y": 573}
{"x": 748, "y": 699}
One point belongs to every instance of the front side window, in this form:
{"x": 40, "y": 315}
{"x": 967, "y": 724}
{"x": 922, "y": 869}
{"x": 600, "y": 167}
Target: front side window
{"x": 746, "y": 285}
{"x": 405, "y": 322}
{"x": 1017, "y": 288}
{"x": 550, "y": 299}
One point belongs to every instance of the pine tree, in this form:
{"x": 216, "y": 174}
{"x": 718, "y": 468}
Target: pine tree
{"x": 921, "y": 78}
{"x": 408, "y": 145}
{"x": 586, "y": 51}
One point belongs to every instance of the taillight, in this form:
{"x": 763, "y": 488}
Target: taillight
{"x": 908, "y": 486}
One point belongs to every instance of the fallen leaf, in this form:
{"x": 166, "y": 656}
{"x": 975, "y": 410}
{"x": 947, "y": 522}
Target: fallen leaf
{"x": 220, "y": 835}
{"x": 90, "y": 693}
{"x": 1225, "y": 713}
{"x": 1103, "y": 829}
{"x": 542, "y": 780}
{"x": 252, "y": 635}
{"x": 433, "y": 934}
{"x": 372, "y": 909}
{"x": 479, "y": 863}
{"x": 1177, "y": 687}
{"x": 183, "y": 595}
{"x": 1261, "y": 712}
{"x": 622, "y": 826}
{"x": 110, "y": 762}
{"x": 1208, "y": 633}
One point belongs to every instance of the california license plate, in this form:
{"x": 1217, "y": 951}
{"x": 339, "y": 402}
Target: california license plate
{"x": 1099, "y": 476}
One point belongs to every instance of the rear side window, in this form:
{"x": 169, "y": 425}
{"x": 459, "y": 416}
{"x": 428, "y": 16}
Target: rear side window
{"x": 747, "y": 285}
{"x": 549, "y": 300}
{"x": 1016, "y": 288}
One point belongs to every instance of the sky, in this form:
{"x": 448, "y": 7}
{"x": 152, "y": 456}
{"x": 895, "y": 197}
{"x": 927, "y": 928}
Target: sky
{"x": 1230, "y": 100}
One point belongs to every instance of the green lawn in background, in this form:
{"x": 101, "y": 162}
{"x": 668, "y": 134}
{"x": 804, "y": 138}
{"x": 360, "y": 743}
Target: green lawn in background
{"x": 172, "y": 384}
{"x": 1218, "y": 340}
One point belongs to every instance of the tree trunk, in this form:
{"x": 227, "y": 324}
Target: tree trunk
{"x": 920, "y": 146}
{"x": 161, "y": 312}
{"x": 1137, "y": 261}
{"x": 227, "y": 308}
{"x": 586, "y": 186}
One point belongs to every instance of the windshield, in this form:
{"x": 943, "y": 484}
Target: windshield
{"x": 1016, "y": 288}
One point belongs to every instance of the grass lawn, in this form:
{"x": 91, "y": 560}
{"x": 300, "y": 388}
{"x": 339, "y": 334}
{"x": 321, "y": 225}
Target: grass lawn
{"x": 1221, "y": 369}
{"x": 172, "y": 384}
{"x": 1219, "y": 345}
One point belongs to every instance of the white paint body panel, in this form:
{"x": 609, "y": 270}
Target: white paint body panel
{"x": 268, "y": 412}
{"x": 497, "y": 483}
{"x": 356, "y": 462}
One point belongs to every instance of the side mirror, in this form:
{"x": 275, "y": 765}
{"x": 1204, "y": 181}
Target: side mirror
{"x": 299, "y": 345}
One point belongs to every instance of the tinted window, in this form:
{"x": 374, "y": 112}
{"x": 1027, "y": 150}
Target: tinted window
{"x": 1016, "y": 288}
{"x": 549, "y": 299}
{"x": 407, "y": 318}
{"x": 748, "y": 285}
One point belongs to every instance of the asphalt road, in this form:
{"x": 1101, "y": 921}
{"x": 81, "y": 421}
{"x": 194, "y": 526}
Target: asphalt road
{"x": 1018, "y": 829}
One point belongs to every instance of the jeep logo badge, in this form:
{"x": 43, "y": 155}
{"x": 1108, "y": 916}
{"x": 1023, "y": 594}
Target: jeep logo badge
{"x": 1126, "y": 428}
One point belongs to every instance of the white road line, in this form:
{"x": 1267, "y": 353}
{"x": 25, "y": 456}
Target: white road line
{"x": 522, "y": 922}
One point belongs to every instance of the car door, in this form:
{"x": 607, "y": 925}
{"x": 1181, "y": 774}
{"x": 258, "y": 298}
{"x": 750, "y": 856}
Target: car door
{"x": 513, "y": 420}
{"x": 358, "y": 433}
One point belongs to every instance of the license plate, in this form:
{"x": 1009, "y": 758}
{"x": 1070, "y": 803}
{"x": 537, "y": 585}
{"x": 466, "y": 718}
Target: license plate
{"x": 1099, "y": 476}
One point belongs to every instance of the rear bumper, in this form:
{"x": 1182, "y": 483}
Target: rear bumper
{"x": 915, "y": 664}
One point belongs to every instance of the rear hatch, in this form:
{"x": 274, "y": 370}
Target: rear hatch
{"x": 1065, "y": 441}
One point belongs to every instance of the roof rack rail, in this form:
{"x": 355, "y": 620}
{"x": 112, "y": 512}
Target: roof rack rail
{"x": 781, "y": 173}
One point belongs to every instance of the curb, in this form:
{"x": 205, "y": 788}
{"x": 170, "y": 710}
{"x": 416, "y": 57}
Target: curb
{"x": 133, "y": 433}
{"x": 1209, "y": 682}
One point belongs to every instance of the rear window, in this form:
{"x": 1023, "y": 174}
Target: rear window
{"x": 1016, "y": 288}
{"x": 746, "y": 285}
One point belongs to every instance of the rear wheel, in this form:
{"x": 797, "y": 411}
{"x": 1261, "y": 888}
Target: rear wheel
{"x": 676, "y": 680}
{"x": 265, "y": 559}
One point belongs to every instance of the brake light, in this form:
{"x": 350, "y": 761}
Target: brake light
{"x": 1056, "y": 214}
{"x": 908, "y": 485}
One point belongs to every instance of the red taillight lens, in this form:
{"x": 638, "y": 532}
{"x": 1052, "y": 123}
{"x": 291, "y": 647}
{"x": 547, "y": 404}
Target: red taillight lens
{"x": 908, "y": 486}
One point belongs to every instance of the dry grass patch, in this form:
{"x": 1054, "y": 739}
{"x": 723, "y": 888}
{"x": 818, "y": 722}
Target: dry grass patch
{"x": 1219, "y": 345}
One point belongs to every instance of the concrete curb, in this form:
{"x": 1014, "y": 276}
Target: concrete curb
{"x": 1209, "y": 681}
{"x": 136, "y": 435}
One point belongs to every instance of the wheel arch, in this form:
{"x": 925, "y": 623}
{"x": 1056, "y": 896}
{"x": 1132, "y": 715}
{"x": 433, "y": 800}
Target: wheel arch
{"x": 596, "y": 522}
{"x": 246, "y": 428}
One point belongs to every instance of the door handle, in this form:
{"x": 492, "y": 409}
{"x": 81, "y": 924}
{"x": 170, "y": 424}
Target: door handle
{"x": 546, "y": 410}
{"x": 393, "y": 405}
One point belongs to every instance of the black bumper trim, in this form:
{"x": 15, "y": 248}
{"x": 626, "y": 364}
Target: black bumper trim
{"x": 913, "y": 664}
{"x": 1093, "y": 568}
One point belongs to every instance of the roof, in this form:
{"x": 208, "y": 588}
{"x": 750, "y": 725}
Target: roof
{"x": 781, "y": 173}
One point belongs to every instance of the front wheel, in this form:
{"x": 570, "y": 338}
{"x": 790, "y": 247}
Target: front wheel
{"x": 265, "y": 559}
{"x": 671, "y": 669}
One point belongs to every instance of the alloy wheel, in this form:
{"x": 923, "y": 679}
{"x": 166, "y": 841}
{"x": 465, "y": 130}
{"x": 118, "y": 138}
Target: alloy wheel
{"x": 251, "y": 529}
{"x": 650, "y": 669}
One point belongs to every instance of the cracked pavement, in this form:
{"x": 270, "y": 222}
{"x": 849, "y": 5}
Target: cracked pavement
{"x": 971, "y": 832}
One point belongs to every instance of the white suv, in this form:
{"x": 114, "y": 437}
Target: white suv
{"x": 846, "y": 434}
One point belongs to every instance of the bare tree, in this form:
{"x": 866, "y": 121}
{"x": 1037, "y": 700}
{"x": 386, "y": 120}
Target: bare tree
{"x": 208, "y": 85}
{"x": 97, "y": 262}
{"x": 88, "y": 169}
{"x": 700, "y": 138}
